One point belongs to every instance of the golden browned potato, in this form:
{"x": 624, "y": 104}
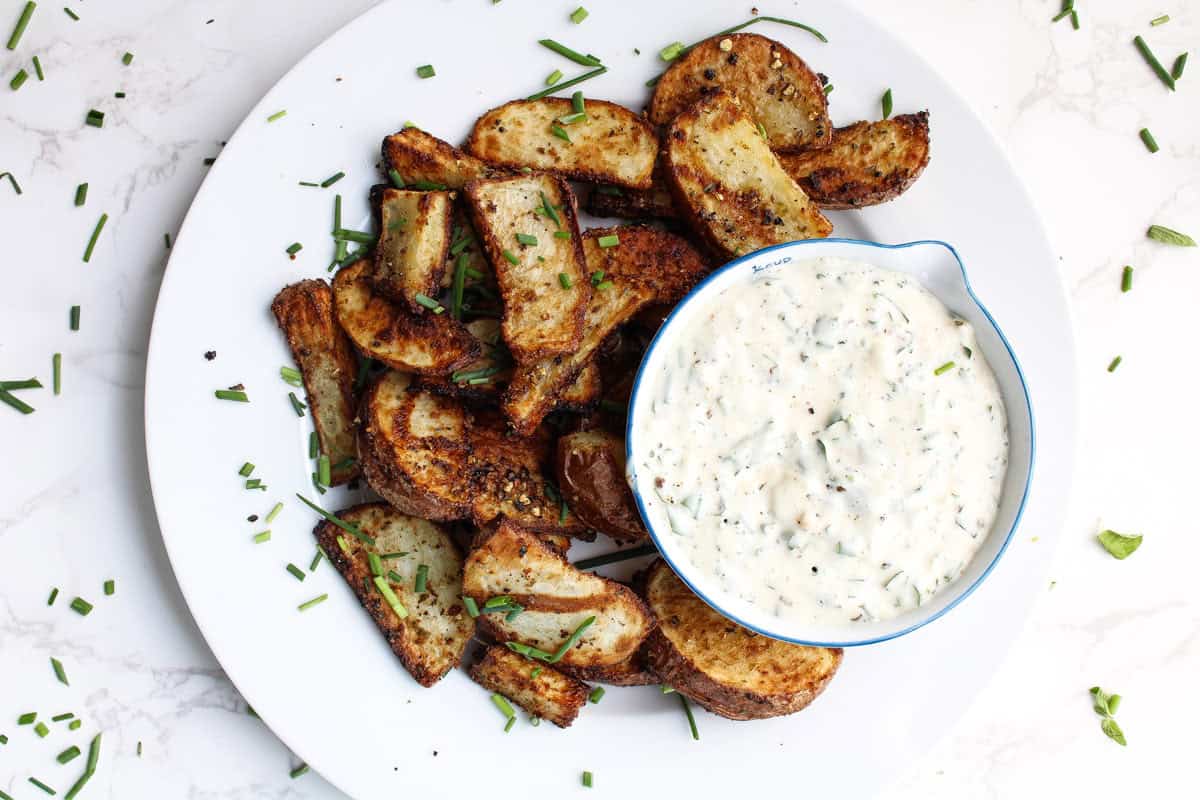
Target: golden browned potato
{"x": 591, "y": 476}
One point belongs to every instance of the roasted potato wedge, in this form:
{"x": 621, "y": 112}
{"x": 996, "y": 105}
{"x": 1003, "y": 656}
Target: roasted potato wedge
{"x": 581, "y": 394}
{"x": 551, "y": 695}
{"x": 630, "y": 672}
{"x": 426, "y": 162}
{"x": 868, "y": 163}
{"x": 543, "y": 283}
{"x": 613, "y": 201}
{"x": 776, "y": 88}
{"x": 430, "y": 640}
{"x": 724, "y": 667}
{"x": 610, "y": 145}
{"x": 305, "y": 313}
{"x": 490, "y": 371}
{"x": 557, "y": 599}
{"x": 591, "y": 476}
{"x": 729, "y": 184}
{"x": 414, "y": 237}
{"x": 393, "y": 334}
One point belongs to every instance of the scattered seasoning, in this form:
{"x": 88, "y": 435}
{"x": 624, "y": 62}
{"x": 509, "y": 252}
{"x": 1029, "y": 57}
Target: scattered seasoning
{"x": 472, "y": 608}
{"x": 579, "y": 15}
{"x": 566, "y": 52}
{"x": 554, "y": 77}
{"x": 139, "y": 749}
{"x": 56, "y": 372}
{"x": 81, "y": 607}
{"x": 422, "y": 578}
{"x": 1167, "y": 236}
{"x": 1148, "y": 140}
{"x": 110, "y": 587}
{"x": 81, "y": 194}
{"x": 587, "y": 76}
{"x": 348, "y": 528}
{"x": 587, "y": 779}
{"x": 1118, "y": 545}
{"x": 261, "y": 538}
{"x": 127, "y": 59}
{"x": 277, "y": 115}
{"x": 91, "y": 245}
{"x": 330, "y": 181}
{"x": 425, "y": 71}
{"x": 59, "y": 672}
{"x": 1154, "y": 63}
{"x": 297, "y": 406}
{"x": 42, "y": 786}
{"x": 1112, "y": 365}
{"x": 18, "y": 80}
{"x": 13, "y": 180}
{"x": 70, "y": 754}
{"x": 316, "y": 601}
{"x": 596, "y": 694}
{"x": 22, "y": 23}
{"x": 53, "y": 596}
{"x": 687, "y": 709}
{"x": 1177, "y": 67}
{"x": 1127, "y": 279}
{"x": 94, "y": 118}
{"x": 297, "y": 573}
{"x": 236, "y": 395}
{"x": 564, "y": 280}
{"x": 610, "y": 240}
{"x": 298, "y": 771}
{"x": 886, "y": 103}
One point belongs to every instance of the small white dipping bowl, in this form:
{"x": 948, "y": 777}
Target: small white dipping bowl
{"x": 938, "y": 268}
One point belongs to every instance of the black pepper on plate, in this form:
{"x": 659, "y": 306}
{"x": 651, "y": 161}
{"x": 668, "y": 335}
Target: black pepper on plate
{"x": 210, "y": 355}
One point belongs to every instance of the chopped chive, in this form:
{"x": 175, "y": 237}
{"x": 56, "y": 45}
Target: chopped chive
{"x": 94, "y": 118}
{"x": 687, "y": 709}
{"x": 139, "y": 749}
{"x": 422, "y": 578}
{"x": 323, "y": 470}
{"x": 59, "y": 672}
{"x": 508, "y": 726}
{"x": 510, "y": 258}
{"x": 75, "y": 724}
{"x": 828, "y": 89}
{"x": 277, "y": 115}
{"x": 587, "y": 76}
{"x": 167, "y": 240}
{"x": 70, "y": 754}
{"x": 22, "y": 23}
{"x": 611, "y": 240}
{"x": 246, "y": 470}
{"x": 597, "y": 276}
{"x": 110, "y": 587}
{"x": 27, "y": 718}
{"x": 525, "y": 238}
{"x": 255, "y": 483}
{"x": 208, "y": 162}
{"x": 396, "y": 178}
{"x": 429, "y": 186}
{"x": 672, "y": 51}
{"x": 273, "y": 513}
{"x": 358, "y": 237}
{"x": 81, "y": 607}
{"x": 41, "y": 730}
{"x": 56, "y": 370}
{"x": 560, "y": 132}
{"x": 298, "y": 771}
{"x": 127, "y": 59}
{"x": 1154, "y": 63}
{"x": 944, "y": 368}
{"x": 316, "y": 601}
{"x": 566, "y": 52}
{"x": 389, "y": 597}
{"x": 472, "y": 608}
{"x": 53, "y": 596}
{"x": 19, "y": 405}
{"x": 348, "y": 528}
{"x": 425, "y": 71}
{"x": 81, "y": 194}
{"x": 13, "y": 180}
{"x": 762, "y": 132}
{"x": 502, "y": 703}
{"x": 1127, "y": 279}
{"x": 577, "y": 103}
{"x": 316, "y": 560}
{"x": 596, "y": 694}
{"x": 71, "y": 14}
{"x": 1167, "y": 236}
{"x": 571, "y": 640}
{"x": 1163, "y": 20}
{"x": 1112, "y": 365}
{"x": 42, "y": 786}
{"x": 91, "y": 245}
{"x": 62, "y": 717}
{"x": 429, "y": 302}
{"x": 262, "y": 538}
{"x": 18, "y": 80}
{"x": 93, "y": 753}
{"x": 1176, "y": 69}
{"x": 587, "y": 779}
{"x": 394, "y": 576}
{"x": 886, "y": 103}
{"x": 332, "y": 179}
{"x": 37, "y": 69}
{"x": 564, "y": 280}
{"x": 572, "y": 118}
{"x": 1074, "y": 19}
{"x": 554, "y": 77}
{"x": 375, "y": 563}
{"x": 579, "y": 15}
{"x": 28, "y": 383}
{"x": 75, "y": 318}
{"x": 1067, "y": 7}
{"x": 1148, "y": 140}
{"x": 612, "y": 558}
{"x": 293, "y": 248}
{"x": 604, "y": 285}
{"x": 562, "y": 234}
{"x": 236, "y": 395}
{"x": 312, "y": 445}
{"x": 119, "y": 95}
{"x": 458, "y": 285}
{"x": 297, "y": 573}
{"x": 291, "y": 376}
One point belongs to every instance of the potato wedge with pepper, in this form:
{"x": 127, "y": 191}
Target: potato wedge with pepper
{"x": 538, "y": 688}
{"x": 591, "y": 476}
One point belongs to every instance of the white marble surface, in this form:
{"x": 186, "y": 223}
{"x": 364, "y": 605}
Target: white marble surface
{"x": 74, "y": 504}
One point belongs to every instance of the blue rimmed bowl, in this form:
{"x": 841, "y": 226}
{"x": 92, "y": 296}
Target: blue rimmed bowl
{"x": 938, "y": 268}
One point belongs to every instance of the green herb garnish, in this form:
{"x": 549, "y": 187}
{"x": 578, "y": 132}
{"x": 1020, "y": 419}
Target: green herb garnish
{"x": 42, "y": 786}
{"x": 296, "y": 572}
{"x": 1176, "y": 68}
{"x": 1127, "y": 279}
{"x": 1167, "y": 236}
{"x": 91, "y": 245}
{"x": 298, "y": 771}
{"x": 277, "y": 115}
{"x": 612, "y": 558}
{"x": 81, "y": 607}
{"x": 587, "y": 779}
{"x": 579, "y": 15}
{"x": 94, "y": 118}
{"x": 1118, "y": 545}
{"x": 110, "y": 587}
{"x": 69, "y": 754}
{"x": 262, "y": 538}
{"x": 389, "y": 597}
{"x": 53, "y": 596}
{"x": 56, "y": 372}
{"x": 609, "y": 240}
{"x": 81, "y": 194}
{"x": 510, "y": 258}
{"x": 1163, "y": 20}
{"x": 886, "y": 103}
{"x": 429, "y": 302}
{"x": 1148, "y": 140}
{"x": 566, "y": 52}
{"x": 944, "y": 368}
{"x": 59, "y": 672}
{"x": 316, "y": 560}
{"x": 505, "y": 707}
{"x": 577, "y": 103}
{"x": 596, "y": 694}
{"x": 687, "y": 709}
{"x": 353, "y": 530}
{"x": 69, "y": 13}
{"x": 127, "y": 59}
{"x": 18, "y": 80}
{"x": 22, "y": 24}
{"x": 1154, "y": 63}
{"x": 672, "y": 51}
{"x": 528, "y": 239}
{"x": 316, "y": 601}
{"x": 587, "y": 76}
{"x": 564, "y": 280}
{"x": 422, "y": 578}
{"x": 472, "y": 608}
{"x": 561, "y": 133}
{"x": 554, "y": 77}
{"x": 425, "y": 71}
{"x": 1106, "y": 705}
{"x": 293, "y": 248}
{"x": 1112, "y": 365}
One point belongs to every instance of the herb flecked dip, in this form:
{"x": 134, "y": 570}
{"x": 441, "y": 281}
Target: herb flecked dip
{"x": 825, "y": 441}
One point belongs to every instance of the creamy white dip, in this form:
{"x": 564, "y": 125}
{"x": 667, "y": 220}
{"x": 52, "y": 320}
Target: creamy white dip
{"x": 825, "y": 441}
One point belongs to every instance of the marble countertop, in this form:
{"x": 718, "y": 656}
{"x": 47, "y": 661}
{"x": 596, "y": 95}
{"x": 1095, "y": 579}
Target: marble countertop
{"x": 75, "y": 509}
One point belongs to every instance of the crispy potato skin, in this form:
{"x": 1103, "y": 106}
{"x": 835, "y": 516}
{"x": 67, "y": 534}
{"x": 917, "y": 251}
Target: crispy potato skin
{"x": 305, "y": 314}
{"x": 630, "y": 672}
{"x": 540, "y": 318}
{"x": 395, "y": 335}
{"x": 730, "y": 186}
{"x": 868, "y": 163}
{"x": 414, "y": 236}
{"x": 724, "y": 667}
{"x": 430, "y": 641}
{"x": 776, "y": 87}
{"x": 551, "y": 695}
{"x": 591, "y": 476}
{"x": 613, "y": 201}
{"x": 418, "y": 157}
{"x": 613, "y": 145}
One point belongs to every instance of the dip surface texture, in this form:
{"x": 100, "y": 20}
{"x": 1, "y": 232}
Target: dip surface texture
{"x": 825, "y": 442}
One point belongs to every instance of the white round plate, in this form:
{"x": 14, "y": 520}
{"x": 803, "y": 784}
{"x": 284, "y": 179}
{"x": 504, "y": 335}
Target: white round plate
{"x": 324, "y": 680}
